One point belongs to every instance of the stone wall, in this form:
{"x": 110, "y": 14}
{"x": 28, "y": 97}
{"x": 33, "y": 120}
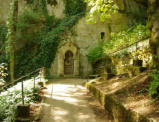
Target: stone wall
{"x": 86, "y": 36}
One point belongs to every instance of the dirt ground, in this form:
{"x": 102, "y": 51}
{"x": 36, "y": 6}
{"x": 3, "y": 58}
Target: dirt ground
{"x": 69, "y": 101}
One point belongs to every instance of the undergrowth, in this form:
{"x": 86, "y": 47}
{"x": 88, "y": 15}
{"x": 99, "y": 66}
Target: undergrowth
{"x": 13, "y": 97}
{"x": 154, "y": 84}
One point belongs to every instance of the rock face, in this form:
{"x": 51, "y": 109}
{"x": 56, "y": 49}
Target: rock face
{"x": 85, "y": 36}
{"x": 56, "y": 10}
{"x": 153, "y": 15}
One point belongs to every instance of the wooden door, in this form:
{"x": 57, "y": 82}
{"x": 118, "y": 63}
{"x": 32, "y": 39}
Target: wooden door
{"x": 68, "y": 63}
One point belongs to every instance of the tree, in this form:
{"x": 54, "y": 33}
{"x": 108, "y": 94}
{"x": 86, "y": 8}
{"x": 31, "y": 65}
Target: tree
{"x": 104, "y": 8}
{"x": 12, "y": 34}
{"x": 153, "y": 18}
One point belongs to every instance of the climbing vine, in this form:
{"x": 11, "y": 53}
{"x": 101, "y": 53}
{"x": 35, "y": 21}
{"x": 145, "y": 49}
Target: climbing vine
{"x": 3, "y": 38}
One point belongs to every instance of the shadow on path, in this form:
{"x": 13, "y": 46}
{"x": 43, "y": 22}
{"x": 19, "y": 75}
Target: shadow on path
{"x": 69, "y": 103}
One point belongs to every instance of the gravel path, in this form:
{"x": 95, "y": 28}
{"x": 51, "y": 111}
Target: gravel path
{"x": 70, "y": 102}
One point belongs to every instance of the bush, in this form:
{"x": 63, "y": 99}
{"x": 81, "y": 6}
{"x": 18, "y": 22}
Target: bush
{"x": 95, "y": 52}
{"x": 154, "y": 84}
{"x": 12, "y": 97}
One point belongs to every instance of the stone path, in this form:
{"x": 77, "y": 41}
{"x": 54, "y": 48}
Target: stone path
{"x": 69, "y": 103}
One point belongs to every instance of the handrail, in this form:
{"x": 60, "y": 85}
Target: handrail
{"x": 110, "y": 54}
{"x": 22, "y": 77}
{"x": 16, "y": 81}
{"x": 126, "y": 47}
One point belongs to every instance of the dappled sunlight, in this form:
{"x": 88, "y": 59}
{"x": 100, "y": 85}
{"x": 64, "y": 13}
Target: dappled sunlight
{"x": 59, "y": 111}
{"x": 65, "y": 92}
{"x": 82, "y": 116}
{"x": 28, "y": 84}
{"x": 141, "y": 106}
{"x": 67, "y": 103}
{"x": 113, "y": 85}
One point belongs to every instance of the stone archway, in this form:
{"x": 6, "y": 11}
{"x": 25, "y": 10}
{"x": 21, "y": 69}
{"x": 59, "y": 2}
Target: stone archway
{"x": 68, "y": 60}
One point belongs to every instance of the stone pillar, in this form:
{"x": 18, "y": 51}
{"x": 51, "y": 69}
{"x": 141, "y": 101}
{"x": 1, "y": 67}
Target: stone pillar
{"x": 60, "y": 65}
{"x": 76, "y": 67}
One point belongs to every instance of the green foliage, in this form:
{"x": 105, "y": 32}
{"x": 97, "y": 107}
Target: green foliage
{"x": 125, "y": 38}
{"x": 3, "y": 70}
{"x": 119, "y": 41}
{"x": 74, "y": 7}
{"x": 3, "y": 33}
{"x": 12, "y": 97}
{"x": 154, "y": 84}
{"x": 3, "y": 57}
{"x": 104, "y": 8}
{"x": 3, "y": 38}
{"x": 95, "y": 52}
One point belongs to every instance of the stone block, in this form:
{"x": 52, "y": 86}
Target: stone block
{"x": 23, "y": 111}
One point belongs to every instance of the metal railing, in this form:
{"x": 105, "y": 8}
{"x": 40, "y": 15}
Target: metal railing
{"x": 8, "y": 85}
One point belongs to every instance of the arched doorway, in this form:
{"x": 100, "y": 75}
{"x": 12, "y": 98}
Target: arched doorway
{"x": 68, "y": 63}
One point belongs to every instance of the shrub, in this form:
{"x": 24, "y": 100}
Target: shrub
{"x": 154, "y": 84}
{"x": 95, "y": 52}
{"x": 12, "y": 97}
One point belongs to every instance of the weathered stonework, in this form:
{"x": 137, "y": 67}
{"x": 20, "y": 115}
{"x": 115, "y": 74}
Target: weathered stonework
{"x": 58, "y": 67}
{"x": 56, "y": 10}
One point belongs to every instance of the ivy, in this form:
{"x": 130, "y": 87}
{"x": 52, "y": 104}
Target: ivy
{"x": 74, "y": 7}
{"x": 41, "y": 34}
{"x": 3, "y": 38}
{"x": 3, "y": 33}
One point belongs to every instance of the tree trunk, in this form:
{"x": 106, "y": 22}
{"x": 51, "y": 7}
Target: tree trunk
{"x": 12, "y": 35}
{"x": 153, "y": 16}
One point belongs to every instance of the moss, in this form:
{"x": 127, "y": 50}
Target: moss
{"x": 115, "y": 108}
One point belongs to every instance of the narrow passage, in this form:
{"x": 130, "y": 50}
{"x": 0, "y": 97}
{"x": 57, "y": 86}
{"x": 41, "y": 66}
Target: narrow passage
{"x": 70, "y": 103}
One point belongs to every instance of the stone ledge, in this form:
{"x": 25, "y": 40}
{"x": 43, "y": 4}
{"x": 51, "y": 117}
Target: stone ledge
{"x": 115, "y": 108}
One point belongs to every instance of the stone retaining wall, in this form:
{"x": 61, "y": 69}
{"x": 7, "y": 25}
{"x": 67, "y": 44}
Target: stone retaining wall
{"x": 115, "y": 108}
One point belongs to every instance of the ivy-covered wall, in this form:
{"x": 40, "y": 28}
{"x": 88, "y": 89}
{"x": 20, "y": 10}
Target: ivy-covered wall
{"x": 43, "y": 24}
